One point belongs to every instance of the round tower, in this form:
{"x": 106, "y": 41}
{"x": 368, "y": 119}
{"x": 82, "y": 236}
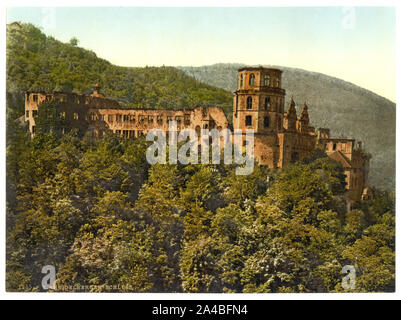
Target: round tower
{"x": 259, "y": 100}
{"x": 259, "y": 105}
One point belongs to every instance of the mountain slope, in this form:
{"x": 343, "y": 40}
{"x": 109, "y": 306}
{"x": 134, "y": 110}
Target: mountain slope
{"x": 39, "y": 62}
{"x": 348, "y": 110}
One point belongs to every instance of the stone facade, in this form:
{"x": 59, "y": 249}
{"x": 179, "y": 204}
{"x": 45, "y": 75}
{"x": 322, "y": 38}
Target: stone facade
{"x": 280, "y": 137}
{"x": 98, "y": 114}
{"x": 353, "y": 159}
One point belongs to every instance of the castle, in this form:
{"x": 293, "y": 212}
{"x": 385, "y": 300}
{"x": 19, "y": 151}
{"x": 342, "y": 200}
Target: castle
{"x": 280, "y": 137}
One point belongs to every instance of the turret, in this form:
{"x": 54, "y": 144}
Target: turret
{"x": 304, "y": 116}
{"x": 303, "y": 119}
{"x": 290, "y": 122}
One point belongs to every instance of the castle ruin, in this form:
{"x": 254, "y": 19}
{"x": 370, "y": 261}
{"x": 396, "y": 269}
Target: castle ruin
{"x": 280, "y": 137}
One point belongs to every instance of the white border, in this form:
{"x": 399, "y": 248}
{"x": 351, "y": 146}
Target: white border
{"x": 182, "y": 3}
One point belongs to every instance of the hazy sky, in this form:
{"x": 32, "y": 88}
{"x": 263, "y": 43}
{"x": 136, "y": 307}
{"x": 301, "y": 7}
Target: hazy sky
{"x": 357, "y": 45}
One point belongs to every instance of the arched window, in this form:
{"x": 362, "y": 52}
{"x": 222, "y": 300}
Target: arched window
{"x": 251, "y": 79}
{"x": 249, "y": 103}
{"x": 267, "y": 122}
{"x": 267, "y": 80}
{"x": 241, "y": 81}
{"x": 267, "y": 103}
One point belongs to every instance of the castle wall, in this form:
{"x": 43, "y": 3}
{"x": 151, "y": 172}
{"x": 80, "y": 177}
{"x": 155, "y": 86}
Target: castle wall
{"x": 103, "y": 114}
{"x": 266, "y": 150}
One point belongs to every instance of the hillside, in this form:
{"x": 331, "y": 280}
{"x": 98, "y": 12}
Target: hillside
{"x": 39, "y": 62}
{"x": 348, "y": 110}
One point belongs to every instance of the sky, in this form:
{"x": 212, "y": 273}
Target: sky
{"x": 356, "y": 44}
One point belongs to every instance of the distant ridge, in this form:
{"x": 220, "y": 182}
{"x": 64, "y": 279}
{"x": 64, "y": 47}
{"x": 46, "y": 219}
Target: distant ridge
{"x": 348, "y": 110}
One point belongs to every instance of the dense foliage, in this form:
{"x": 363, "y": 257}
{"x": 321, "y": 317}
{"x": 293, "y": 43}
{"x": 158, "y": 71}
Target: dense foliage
{"x": 108, "y": 222}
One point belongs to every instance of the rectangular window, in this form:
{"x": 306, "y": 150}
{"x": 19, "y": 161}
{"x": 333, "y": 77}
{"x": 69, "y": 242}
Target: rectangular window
{"x": 27, "y": 113}
{"x": 76, "y": 116}
{"x": 248, "y": 121}
{"x": 35, "y": 98}
{"x": 132, "y": 118}
{"x": 34, "y": 113}
{"x": 126, "y": 118}
{"x": 132, "y": 133}
{"x": 110, "y": 118}
{"x": 118, "y": 132}
{"x": 267, "y": 122}
{"x": 62, "y": 115}
{"x": 119, "y": 117}
{"x": 33, "y": 129}
{"x": 141, "y": 119}
{"x": 159, "y": 119}
{"x": 178, "y": 119}
{"x": 150, "y": 119}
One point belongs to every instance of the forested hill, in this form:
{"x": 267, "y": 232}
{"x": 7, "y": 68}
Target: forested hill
{"x": 348, "y": 110}
{"x": 39, "y": 62}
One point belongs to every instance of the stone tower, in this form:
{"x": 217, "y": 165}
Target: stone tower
{"x": 259, "y": 100}
{"x": 259, "y": 105}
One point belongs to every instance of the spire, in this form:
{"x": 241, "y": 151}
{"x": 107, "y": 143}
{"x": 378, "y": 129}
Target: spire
{"x": 304, "y": 116}
{"x": 292, "y": 102}
{"x": 291, "y": 109}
